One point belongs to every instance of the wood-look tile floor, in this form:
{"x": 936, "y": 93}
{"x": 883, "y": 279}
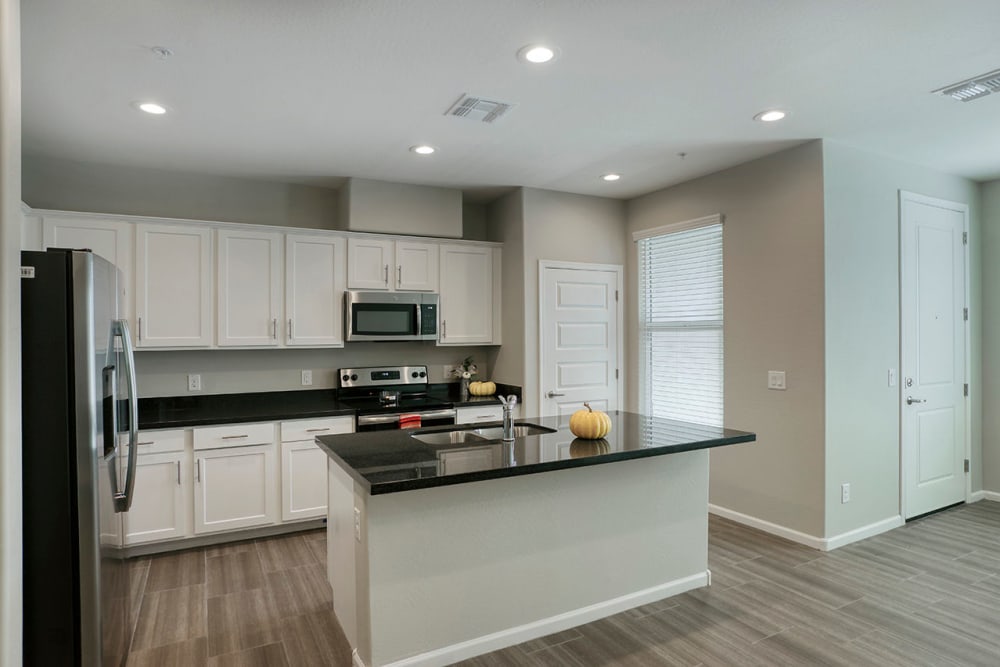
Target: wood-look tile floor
{"x": 926, "y": 594}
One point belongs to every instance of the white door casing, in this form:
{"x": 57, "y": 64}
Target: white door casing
{"x": 934, "y": 422}
{"x": 580, "y": 341}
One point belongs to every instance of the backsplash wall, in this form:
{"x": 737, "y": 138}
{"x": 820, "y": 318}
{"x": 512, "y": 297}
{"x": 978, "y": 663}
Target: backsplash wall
{"x": 164, "y": 373}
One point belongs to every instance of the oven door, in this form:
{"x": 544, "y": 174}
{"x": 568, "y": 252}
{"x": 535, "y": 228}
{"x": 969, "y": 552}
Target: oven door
{"x": 388, "y": 422}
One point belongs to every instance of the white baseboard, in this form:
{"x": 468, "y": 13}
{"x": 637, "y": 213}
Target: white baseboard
{"x": 984, "y": 495}
{"x": 768, "y": 527}
{"x": 821, "y": 543}
{"x": 546, "y": 626}
{"x": 863, "y": 532}
{"x": 356, "y": 660}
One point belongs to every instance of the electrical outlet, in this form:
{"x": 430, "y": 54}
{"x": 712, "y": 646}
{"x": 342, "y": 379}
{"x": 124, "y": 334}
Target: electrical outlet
{"x": 194, "y": 382}
{"x": 447, "y": 371}
{"x": 776, "y": 380}
{"x": 307, "y": 378}
{"x": 357, "y": 524}
{"x": 845, "y": 493}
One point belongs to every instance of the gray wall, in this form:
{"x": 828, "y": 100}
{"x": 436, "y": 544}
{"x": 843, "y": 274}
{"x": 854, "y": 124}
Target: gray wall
{"x": 10, "y": 333}
{"x": 400, "y": 208}
{"x": 79, "y": 186}
{"x": 773, "y": 291}
{"x": 991, "y": 335}
{"x": 164, "y": 373}
{"x": 505, "y": 224}
{"x": 862, "y": 327}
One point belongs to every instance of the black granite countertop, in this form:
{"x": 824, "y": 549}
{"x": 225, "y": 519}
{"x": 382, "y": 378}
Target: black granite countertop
{"x": 182, "y": 411}
{"x": 394, "y": 461}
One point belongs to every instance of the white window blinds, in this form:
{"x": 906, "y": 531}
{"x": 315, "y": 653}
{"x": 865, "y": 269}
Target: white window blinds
{"x": 680, "y": 321}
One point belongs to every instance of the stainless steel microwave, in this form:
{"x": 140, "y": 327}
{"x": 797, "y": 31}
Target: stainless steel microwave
{"x": 390, "y": 316}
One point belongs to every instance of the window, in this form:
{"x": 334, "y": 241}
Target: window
{"x": 680, "y": 321}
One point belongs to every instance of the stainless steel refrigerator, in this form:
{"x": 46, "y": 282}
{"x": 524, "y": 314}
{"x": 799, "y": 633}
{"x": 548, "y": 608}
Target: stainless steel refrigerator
{"x": 79, "y": 429}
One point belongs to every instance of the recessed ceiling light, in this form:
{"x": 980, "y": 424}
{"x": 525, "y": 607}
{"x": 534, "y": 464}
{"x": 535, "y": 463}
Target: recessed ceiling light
{"x": 536, "y": 54}
{"x": 422, "y": 149}
{"x": 611, "y": 177}
{"x": 151, "y": 107}
{"x": 770, "y": 116}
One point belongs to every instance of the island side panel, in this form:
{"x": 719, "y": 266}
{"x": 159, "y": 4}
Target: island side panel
{"x": 530, "y": 555}
{"x": 345, "y": 560}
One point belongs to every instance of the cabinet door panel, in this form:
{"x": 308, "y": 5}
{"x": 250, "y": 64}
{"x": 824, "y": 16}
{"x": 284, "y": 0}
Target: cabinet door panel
{"x": 315, "y": 280}
{"x": 234, "y": 488}
{"x": 173, "y": 286}
{"x": 416, "y": 266}
{"x": 368, "y": 263}
{"x": 158, "y": 509}
{"x": 466, "y": 295}
{"x": 303, "y": 481}
{"x": 249, "y": 268}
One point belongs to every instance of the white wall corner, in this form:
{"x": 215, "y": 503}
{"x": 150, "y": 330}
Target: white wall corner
{"x": 864, "y": 532}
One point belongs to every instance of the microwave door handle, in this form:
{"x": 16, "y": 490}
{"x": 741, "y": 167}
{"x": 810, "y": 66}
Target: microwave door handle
{"x": 123, "y": 500}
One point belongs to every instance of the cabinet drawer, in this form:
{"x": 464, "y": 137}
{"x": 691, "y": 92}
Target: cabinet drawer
{"x": 482, "y": 413}
{"x": 233, "y": 435}
{"x": 160, "y": 442}
{"x": 308, "y": 429}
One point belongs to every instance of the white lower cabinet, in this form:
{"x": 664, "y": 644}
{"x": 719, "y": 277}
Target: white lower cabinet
{"x": 303, "y": 466}
{"x": 162, "y": 496}
{"x": 235, "y": 487}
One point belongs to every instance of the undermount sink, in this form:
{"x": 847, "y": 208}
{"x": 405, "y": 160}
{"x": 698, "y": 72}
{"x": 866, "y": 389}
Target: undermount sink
{"x": 474, "y": 435}
{"x": 520, "y": 430}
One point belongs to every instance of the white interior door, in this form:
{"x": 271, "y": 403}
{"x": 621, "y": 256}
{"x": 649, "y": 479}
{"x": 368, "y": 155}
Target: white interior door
{"x": 580, "y": 325}
{"x": 933, "y": 349}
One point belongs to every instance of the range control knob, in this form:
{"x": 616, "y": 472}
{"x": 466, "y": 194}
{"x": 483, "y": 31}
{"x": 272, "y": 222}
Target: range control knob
{"x": 423, "y": 374}
{"x": 354, "y": 376}
{"x": 413, "y": 374}
{"x": 345, "y": 378}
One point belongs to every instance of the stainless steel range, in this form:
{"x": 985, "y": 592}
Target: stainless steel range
{"x": 386, "y": 396}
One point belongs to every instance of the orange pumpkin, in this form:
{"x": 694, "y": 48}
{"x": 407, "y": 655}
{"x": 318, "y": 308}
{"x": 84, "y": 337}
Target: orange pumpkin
{"x": 590, "y": 424}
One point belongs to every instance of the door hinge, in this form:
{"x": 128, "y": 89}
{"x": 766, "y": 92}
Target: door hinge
{"x": 965, "y": 238}
{"x": 965, "y": 314}
{"x": 965, "y": 388}
{"x": 966, "y": 465}
{"x": 616, "y": 295}
{"x": 616, "y": 373}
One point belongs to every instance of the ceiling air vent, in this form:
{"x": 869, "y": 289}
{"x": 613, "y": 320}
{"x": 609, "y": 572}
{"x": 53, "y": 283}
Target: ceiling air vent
{"x": 974, "y": 88}
{"x": 478, "y": 108}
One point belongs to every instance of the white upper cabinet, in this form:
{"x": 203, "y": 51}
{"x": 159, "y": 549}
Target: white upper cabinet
{"x": 368, "y": 262}
{"x": 111, "y": 239}
{"x": 469, "y": 295}
{"x": 249, "y": 275}
{"x": 315, "y": 280}
{"x": 380, "y": 264}
{"x": 417, "y": 266}
{"x": 173, "y": 285}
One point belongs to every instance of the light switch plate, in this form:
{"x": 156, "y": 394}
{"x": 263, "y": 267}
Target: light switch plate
{"x": 776, "y": 380}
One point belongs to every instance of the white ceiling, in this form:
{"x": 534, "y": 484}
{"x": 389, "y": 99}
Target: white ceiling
{"x": 313, "y": 91}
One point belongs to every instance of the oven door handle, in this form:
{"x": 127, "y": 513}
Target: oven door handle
{"x": 435, "y": 414}
{"x": 368, "y": 420}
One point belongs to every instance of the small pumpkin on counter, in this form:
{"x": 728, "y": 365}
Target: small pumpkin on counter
{"x": 581, "y": 447}
{"x": 482, "y": 388}
{"x": 590, "y": 424}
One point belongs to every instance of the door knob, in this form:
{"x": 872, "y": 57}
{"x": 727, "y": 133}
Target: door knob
{"x": 553, "y": 394}
{"x": 910, "y": 400}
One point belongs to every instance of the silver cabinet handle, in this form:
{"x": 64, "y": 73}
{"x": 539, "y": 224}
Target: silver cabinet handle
{"x": 274, "y": 328}
{"x": 444, "y": 329}
{"x": 178, "y": 473}
{"x": 317, "y": 430}
{"x": 289, "y": 328}
{"x": 139, "y": 336}
{"x": 197, "y": 470}
{"x": 235, "y": 437}
{"x": 910, "y": 400}
{"x": 553, "y": 394}
{"x": 387, "y": 275}
{"x": 147, "y": 442}
{"x": 399, "y": 276}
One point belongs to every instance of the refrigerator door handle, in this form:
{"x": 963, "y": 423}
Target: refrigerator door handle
{"x": 123, "y": 499}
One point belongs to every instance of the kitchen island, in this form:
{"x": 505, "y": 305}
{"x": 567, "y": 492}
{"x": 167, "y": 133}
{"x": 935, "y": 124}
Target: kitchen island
{"x": 441, "y": 548}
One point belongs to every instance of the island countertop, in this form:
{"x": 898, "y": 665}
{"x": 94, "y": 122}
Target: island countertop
{"x": 392, "y": 461}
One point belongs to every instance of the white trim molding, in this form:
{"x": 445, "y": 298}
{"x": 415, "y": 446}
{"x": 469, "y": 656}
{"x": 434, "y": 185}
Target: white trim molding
{"x": 546, "y": 626}
{"x": 984, "y": 495}
{"x": 821, "y": 543}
